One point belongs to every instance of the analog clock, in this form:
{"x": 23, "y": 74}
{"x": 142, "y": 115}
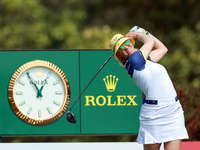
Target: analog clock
{"x": 39, "y": 92}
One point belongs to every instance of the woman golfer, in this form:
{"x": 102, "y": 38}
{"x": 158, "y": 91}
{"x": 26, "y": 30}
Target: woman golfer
{"x": 161, "y": 116}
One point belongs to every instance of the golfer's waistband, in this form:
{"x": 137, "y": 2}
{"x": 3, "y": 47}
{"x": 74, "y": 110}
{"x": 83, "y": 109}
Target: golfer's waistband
{"x": 156, "y": 102}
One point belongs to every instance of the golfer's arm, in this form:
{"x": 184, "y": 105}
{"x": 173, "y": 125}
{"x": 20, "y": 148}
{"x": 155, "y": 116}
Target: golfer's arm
{"x": 148, "y": 44}
{"x": 159, "y": 49}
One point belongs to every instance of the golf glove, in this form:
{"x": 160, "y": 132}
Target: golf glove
{"x": 137, "y": 29}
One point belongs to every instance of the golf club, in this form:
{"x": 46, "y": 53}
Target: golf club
{"x": 69, "y": 115}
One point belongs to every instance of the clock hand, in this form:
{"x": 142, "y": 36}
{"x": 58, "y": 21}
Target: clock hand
{"x": 38, "y": 91}
{"x": 45, "y": 81}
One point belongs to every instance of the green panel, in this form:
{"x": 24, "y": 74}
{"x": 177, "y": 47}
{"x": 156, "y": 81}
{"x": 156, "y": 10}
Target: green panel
{"x": 0, "y": 118}
{"x": 10, "y": 61}
{"x": 107, "y": 112}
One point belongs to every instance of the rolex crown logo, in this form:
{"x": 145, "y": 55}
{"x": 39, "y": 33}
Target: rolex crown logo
{"x": 38, "y": 72}
{"x": 110, "y": 82}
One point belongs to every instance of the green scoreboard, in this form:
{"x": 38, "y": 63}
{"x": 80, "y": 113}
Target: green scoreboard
{"x": 37, "y": 87}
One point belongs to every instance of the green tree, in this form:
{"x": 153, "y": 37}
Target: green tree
{"x": 40, "y": 24}
{"x": 183, "y": 62}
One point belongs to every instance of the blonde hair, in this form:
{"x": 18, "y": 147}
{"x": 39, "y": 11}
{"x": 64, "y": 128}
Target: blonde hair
{"x": 121, "y": 59}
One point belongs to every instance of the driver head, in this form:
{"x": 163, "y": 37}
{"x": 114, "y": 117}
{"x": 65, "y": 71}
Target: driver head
{"x": 70, "y": 117}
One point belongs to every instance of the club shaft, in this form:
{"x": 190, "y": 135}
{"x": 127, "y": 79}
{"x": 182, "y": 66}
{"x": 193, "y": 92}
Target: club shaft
{"x": 91, "y": 81}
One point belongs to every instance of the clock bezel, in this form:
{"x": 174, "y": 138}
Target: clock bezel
{"x": 55, "y": 69}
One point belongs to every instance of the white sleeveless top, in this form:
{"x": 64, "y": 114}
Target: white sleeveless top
{"x": 152, "y": 78}
{"x": 162, "y": 122}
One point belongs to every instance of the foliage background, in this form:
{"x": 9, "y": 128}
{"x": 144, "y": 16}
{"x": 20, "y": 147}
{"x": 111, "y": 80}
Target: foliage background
{"x": 89, "y": 24}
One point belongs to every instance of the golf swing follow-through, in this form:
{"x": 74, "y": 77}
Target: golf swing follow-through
{"x": 69, "y": 115}
{"x": 161, "y": 115}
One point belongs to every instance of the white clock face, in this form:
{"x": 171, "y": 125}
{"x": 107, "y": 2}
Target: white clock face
{"x": 42, "y": 100}
{"x": 39, "y": 92}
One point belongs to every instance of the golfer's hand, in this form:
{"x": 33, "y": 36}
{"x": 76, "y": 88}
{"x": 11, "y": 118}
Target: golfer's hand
{"x": 137, "y": 29}
{"x": 134, "y": 35}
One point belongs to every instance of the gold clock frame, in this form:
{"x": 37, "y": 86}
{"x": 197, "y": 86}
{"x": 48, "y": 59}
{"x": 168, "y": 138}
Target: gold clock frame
{"x": 55, "y": 69}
